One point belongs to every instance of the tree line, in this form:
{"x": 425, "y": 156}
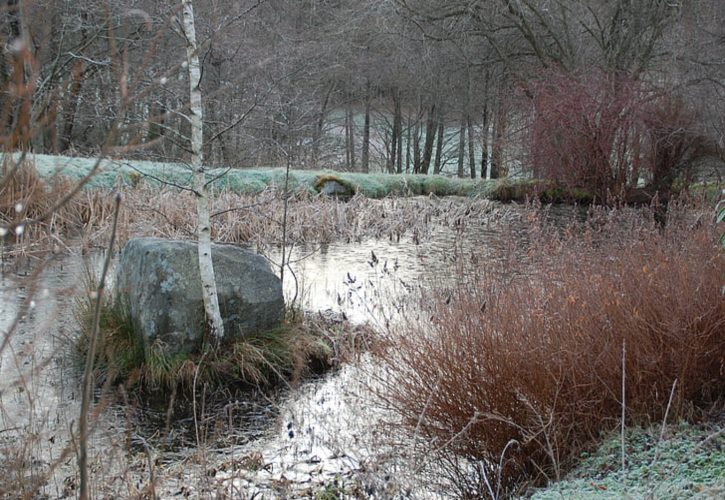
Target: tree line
{"x": 468, "y": 87}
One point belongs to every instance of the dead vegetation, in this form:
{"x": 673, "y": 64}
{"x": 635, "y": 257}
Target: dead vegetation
{"x": 251, "y": 220}
{"x": 513, "y": 372}
{"x": 38, "y": 216}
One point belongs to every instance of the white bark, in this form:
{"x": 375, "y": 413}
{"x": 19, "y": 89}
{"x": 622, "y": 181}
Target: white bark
{"x": 206, "y": 268}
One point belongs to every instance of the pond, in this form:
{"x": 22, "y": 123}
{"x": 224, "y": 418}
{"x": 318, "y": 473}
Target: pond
{"x": 300, "y": 440}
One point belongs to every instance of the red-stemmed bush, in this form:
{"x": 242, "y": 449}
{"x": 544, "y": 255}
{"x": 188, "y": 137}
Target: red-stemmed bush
{"x": 606, "y": 132}
{"x": 528, "y": 364}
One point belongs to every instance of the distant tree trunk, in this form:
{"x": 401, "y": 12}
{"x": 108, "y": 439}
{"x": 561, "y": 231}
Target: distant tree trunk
{"x": 157, "y": 119}
{"x": 462, "y": 145}
{"x": 6, "y": 70}
{"x": 353, "y": 158}
{"x": 439, "y": 145}
{"x": 416, "y": 145}
{"x": 347, "y": 139}
{"x": 408, "y": 144}
{"x": 485, "y": 124}
{"x": 484, "y": 140}
{"x": 19, "y": 119}
{"x": 395, "y": 141}
{"x": 393, "y": 151}
{"x": 350, "y": 125}
{"x": 366, "y": 131}
{"x": 206, "y": 268}
{"x": 471, "y": 147}
{"x": 399, "y": 115}
{"x": 498, "y": 169}
{"x": 319, "y": 126}
{"x": 430, "y": 132}
{"x": 69, "y": 110}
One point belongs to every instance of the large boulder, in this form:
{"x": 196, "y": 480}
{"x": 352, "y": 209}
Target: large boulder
{"x": 158, "y": 282}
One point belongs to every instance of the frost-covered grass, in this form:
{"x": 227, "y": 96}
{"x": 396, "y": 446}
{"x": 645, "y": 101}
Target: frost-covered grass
{"x": 252, "y": 181}
{"x": 688, "y": 462}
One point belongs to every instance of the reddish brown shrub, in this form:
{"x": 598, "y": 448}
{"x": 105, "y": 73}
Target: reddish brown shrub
{"x": 584, "y": 128}
{"x": 536, "y": 355}
{"x": 602, "y": 132}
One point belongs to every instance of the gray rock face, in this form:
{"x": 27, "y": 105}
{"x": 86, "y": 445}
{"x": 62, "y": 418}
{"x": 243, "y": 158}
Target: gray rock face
{"x": 158, "y": 281}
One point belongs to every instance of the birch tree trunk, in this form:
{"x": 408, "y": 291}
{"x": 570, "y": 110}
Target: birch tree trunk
{"x": 206, "y": 268}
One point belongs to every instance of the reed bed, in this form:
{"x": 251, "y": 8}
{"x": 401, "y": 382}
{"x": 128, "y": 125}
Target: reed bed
{"x": 513, "y": 372}
{"x": 256, "y": 220}
{"x": 32, "y": 207}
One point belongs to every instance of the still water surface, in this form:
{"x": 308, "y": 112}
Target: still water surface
{"x": 324, "y": 429}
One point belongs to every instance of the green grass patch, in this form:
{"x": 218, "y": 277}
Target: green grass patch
{"x": 711, "y": 191}
{"x": 119, "y": 352}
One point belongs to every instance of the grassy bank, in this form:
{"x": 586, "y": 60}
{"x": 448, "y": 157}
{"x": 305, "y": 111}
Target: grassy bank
{"x": 252, "y": 181}
{"x": 133, "y": 173}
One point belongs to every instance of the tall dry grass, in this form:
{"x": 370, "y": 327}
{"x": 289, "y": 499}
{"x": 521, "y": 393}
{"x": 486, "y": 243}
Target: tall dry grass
{"x": 516, "y": 371}
{"x": 252, "y": 220}
{"x": 258, "y": 219}
{"x": 31, "y": 207}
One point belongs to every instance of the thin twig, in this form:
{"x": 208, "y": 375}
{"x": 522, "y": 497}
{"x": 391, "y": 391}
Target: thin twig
{"x": 158, "y": 179}
{"x": 90, "y": 360}
{"x": 664, "y": 423}
{"x": 624, "y": 404}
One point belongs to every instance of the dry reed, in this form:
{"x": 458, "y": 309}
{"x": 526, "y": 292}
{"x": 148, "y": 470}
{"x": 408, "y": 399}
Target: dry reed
{"x": 518, "y": 370}
{"x": 252, "y": 220}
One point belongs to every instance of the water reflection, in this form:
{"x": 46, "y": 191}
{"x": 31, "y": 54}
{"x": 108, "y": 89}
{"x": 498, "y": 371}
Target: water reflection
{"x": 350, "y": 277}
{"x": 364, "y": 280}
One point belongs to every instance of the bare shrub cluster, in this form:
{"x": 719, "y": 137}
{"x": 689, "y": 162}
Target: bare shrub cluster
{"x": 607, "y": 132}
{"x": 514, "y": 372}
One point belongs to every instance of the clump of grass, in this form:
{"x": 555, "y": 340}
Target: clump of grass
{"x": 523, "y": 190}
{"x": 120, "y": 352}
{"x": 508, "y": 190}
{"x": 20, "y": 184}
{"x": 521, "y": 369}
{"x": 284, "y": 354}
{"x": 564, "y": 194}
{"x": 281, "y": 356}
